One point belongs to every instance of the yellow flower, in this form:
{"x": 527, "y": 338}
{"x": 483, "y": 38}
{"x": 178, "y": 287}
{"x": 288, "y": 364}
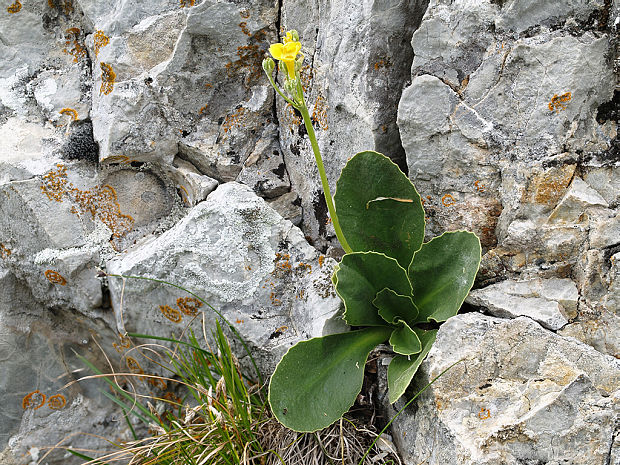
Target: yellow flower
{"x": 287, "y": 53}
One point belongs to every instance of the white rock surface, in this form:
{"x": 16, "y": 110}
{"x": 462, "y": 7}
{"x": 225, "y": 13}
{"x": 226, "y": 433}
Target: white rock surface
{"x": 550, "y": 302}
{"x": 520, "y": 395}
{"x": 245, "y": 260}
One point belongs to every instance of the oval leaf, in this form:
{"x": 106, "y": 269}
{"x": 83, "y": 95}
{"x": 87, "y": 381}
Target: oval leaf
{"x": 317, "y": 380}
{"x": 393, "y": 307}
{"x": 358, "y": 279}
{"x": 405, "y": 341}
{"x": 402, "y": 367}
{"x": 379, "y": 208}
{"x": 442, "y": 273}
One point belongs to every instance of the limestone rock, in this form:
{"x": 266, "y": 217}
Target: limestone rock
{"x": 357, "y": 58}
{"x": 37, "y": 348}
{"x": 579, "y": 197}
{"x": 245, "y": 261}
{"x": 520, "y": 395}
{"x": 548, "y": 301}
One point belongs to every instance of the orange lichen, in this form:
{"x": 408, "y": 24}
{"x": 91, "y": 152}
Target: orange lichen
{"x": 69, "y": 112}
{"x": 294, "y": 119}
{"x": 319, "y": 113}
{"x": 56, "y": 402}
{"x": 100, "y": 40}
{"x": 171, "y": 313}
{"x": 484, "y": 413}
{"x": 302, "y": 266}
{"x": 73, "y": 47}
{"x": 187, "y": 3}
{"x": 189, "y": 305}
{"x": 306, "y": 73}
{"x": 4, "y": 251}
{"x": 244, "y": 28}
{"x": 250, "y": 58}
{"x": 203, "y": 109}
{"x": 448, "y": 200}
{"x": 245, "y": 14}
{"x": 234, "y": 119}
{"x": 101, "y": 201}
{"x": 108, "y": 77}
{"x": 558, "y": 102}
{"x": 34, "y": 400}
{"x": 549, "y": 187}
{"x": 384, "y": 62}
{"x": 125, "y": 343}
{"x": 14, "y": 7}
{"x": 321, "y": 260}
{"x": 328, "y": 221}
{"x": 479, "y": 186}
{"x": 133, "y": 365}
{"x": 171, "y": 397}
{"x": 55, "y": 277}
{"x": 158, "y": 383}
{"x": 238, "y": 321}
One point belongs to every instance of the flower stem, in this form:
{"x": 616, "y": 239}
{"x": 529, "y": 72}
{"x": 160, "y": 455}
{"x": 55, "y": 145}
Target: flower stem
{"x": 319, "y": 163}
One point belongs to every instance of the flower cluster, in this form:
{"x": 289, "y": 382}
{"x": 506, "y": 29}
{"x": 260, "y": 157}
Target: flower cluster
{"x": 290, "y": 59}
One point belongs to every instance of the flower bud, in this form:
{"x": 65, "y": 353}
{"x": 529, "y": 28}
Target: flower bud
{"x": 294, "y": 35}
{"x": 282, "y": 67}
{"x": 268, "y": 66}
{"x": 290, "y": 87}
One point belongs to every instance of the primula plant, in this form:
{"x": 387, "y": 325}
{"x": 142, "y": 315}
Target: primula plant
{"x": 391, "y": 282}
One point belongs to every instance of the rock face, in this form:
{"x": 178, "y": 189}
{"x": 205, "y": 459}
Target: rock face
{"x": 245, "y": 260}
{"x": 142, "y": 138}
{"x": 520, "y": 394}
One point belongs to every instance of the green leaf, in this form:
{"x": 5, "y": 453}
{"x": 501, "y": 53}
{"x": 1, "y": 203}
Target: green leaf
{"x": 358, "y": 279}
{"x": 393, "y": 307}
{"x": 317, "y": 380}
{"x": 442, "y": 273}
{"x": 404, "y": 340}
{"x": 378, "y": 207}
{"x": 402, "y": 368}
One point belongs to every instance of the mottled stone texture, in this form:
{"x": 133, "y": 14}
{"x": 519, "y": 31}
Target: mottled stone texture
{"x": 142, "y": 138}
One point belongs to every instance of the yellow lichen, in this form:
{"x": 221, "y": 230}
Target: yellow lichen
{"x": 319, "y": 113}
{"x": 558, "y": 102}
{"x": 133, "y": 365}
{"x": 234, "y": 119}
{"x": 108, "y": 77}
{"x": 484, "y": 413}
{"x": 187, "y": 3}
{"x": 34, "y": 400}
{"x": 100, "y": 40}
{"x": 448, "y": 200}
{"x": 101, "y": 201}
{"x": 73, "y": 46}
{"x": 69, "y": 112}
{"x": 171, "y": 313}
{"x": 14, "y": 7}
{"x": 55, "y": 277}
{"x": 189, "y": 305}
{"x": 4, "y": 251}
{"x": 56, "y": 402}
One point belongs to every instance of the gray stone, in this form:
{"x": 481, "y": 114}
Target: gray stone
{"x": 245, "y": 260}
{"x": 192, "y": 186}
{"x": 521, "y": 394}
{"x": 37, "y": 349}
{"x": 548, "y": 301}
{"x": 605, "y": 231}
{"x": 357, "y": 57}
{"x": 289, "y": 207}
{"x": 579, "y": 197}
